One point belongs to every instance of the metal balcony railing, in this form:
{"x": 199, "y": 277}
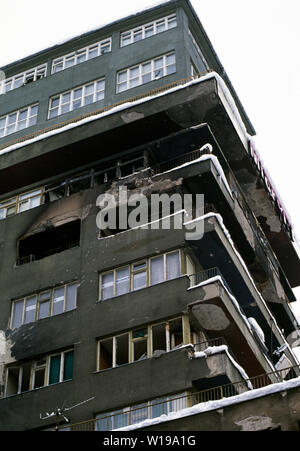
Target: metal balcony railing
{"x": 137, "y": 414}
{"x": 202, "y": 276}
{"x": 175, "y": 162}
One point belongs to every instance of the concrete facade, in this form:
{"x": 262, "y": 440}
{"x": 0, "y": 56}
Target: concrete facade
{"x": 232, "y": 283}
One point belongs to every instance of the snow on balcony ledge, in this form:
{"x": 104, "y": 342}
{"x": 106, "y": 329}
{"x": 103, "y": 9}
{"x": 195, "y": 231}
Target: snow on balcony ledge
{"x": 219, "y": 404}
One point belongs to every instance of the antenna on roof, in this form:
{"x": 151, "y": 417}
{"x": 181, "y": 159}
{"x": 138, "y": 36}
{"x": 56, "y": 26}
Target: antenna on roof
{"x": 59, "y": 412}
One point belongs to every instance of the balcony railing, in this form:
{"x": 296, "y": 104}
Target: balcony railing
{"x": 135, "y": 415}
{"x": 202, "y": 276}
{"x": 175, "y": 162}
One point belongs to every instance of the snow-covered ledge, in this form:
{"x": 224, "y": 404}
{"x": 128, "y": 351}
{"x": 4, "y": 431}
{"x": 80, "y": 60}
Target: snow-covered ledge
{"x": 220, "y": 404}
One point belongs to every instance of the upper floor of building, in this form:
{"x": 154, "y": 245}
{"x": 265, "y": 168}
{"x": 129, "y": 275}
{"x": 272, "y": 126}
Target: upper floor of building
{"x": 104, "y": 67}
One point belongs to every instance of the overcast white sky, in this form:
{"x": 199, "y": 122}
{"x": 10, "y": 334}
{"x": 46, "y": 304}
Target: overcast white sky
{"x": 257, "y": 42}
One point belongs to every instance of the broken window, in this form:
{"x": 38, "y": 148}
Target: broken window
{"x": 52, "y": 241}
{"x": 39, "y": 373}
{"x": 47, "y": 303}
{"x": 176, "y": 333}
{"x": 141, "y": 343}
{"x": 47, "y": 370}
{"x": 113, "y": 352}
{"x": 159, "y": 338}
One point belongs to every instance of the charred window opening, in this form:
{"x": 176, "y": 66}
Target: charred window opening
{"x": 52, "y": 241}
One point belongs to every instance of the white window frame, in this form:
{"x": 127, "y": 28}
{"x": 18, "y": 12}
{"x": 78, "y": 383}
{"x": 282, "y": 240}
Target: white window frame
{"x": 145, "y": 406}
{"x": 96, "y": 49}
{"x": 133, "y": 272}
{"x": 128, "y": 37}
{"x": 137, "y": 75}
{"x": 40, "y": 301}
{"x": 148, "y": 337}
{"x": 34, "y": 74}
{"x": 28, "y": 121}
{"x": 72, "y": 96}
{"x": 34, "y": 367}
{"x": 17, "y": 201}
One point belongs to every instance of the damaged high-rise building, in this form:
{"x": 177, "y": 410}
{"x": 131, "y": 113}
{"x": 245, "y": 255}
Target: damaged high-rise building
{"x": 146, "y": 327}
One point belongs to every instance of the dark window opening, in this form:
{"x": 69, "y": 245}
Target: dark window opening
{"x": 52, "y": 241}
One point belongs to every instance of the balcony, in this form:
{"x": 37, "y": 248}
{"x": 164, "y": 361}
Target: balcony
{"x": 135, "y": 416}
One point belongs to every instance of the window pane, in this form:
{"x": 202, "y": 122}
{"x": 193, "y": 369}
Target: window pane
{"x": 58, "y": 67}
{"x": 32, "y": 121}
{"x": 172, "y": 22}
{"x": 54, "y": 102}
{"x": 122, "y": 345}
{"x": 54, "y": 372}
{"x": 157, "y": 270}
{"x": 81, "y": 58}
{"x": 100, "y": 95}
{"x": 71, "y": 297}
{"x": 137, "y": 36}
{"x": 68, "y": 366}
{"x": 44, "y": 309}
{"x": 139, "y": 413}
{"x": 106, "y": 354}
{"x": 173, "y": 265}
{"x": 70, "y": 62}
{"x": 23, "y": 206}
{"x": 122, "y": 281}
{"x": 89, "y": 99}
{"x": 53, "y": 113}
{"x": 12, "y": 118}
{"x": 65, "y": 98}
{"x": 39, "y": 379}
{"x": 134, "y": 72}
{"x": 65, "y": 108}
{"x": 58, "y": 301}
{"x": 139, "y": 280}
{"x": 23, "y": 115}
{"x": 158, "y": 63}
{"x": 17, "y": 313}
{"x": 140, "y": 350}
{"x": 160, "y": 25}
{"x": 176, "y": 335}
{"x": 21, "y": 125}
{"x": 12, "y": 384}
{"x": 107, "y": 286}
{"x": 160, "y": 409}
{"x": 35, "y": 201}
{"x": 146, "y": 68}
{"x": 18, "y": 82}
{"x": 171, "y": 59}
{"x": 93, "y": 53}
{"x": 159, "y": 337}
{"x": 122, "y": 76}
{"x": 119, "y": 419}
{"x": 30, "y": 310}
{"x": 104, "y": 422}
{"x": 171, "y": 69}
{"x": 122, "y": 87}
{"x": 149, "y": 30}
